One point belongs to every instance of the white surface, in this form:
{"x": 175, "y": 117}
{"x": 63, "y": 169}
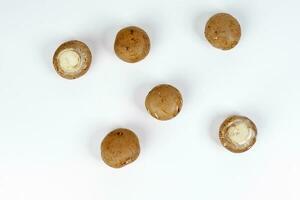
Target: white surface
{"x": 51, "y": 127}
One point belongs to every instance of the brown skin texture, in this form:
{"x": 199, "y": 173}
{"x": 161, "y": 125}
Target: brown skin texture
{"x": 120, "y": 147}
{"x": 226, "y": 141}
{"x": 164, "y": 102}
{"x": 223, "y": 31}
{"x": 132, "y": 44}
{"x": 85, "y": 58}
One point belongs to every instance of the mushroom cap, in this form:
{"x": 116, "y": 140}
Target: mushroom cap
{"x": 164, "y": 102}
{"x": 223, "y": 31}
{"x": 72, "y": 59}
{"x": 120, "y": 147}
{"x": 237, "y": 134}
{"x": 132, "y": 44}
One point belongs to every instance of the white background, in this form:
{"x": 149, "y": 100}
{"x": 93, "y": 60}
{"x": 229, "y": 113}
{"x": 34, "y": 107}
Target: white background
{"x": 51, "y": 128}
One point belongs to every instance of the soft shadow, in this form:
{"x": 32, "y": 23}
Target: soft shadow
{"x": 96, "y": 138}
{"x": 140, "y": 93}
{"x": 108, "y": 38}
{"x": 98, "y": 135}
{"x": 109, "y": 34}
{"x": 142, "y": 90}
{"x": 202, "y": 18}
{"x": 215, "y": 124}
{"x": 49, "y": 48}
{"x": 47, "y": 51}
{"x": 200, "y": 22}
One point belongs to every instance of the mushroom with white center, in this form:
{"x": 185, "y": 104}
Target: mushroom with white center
{"x": 72, "y": 59}
{"x": 238, "y": 134}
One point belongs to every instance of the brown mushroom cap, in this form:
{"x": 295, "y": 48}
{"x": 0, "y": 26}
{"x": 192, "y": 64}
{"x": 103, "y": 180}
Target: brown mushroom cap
{"x": 132, "y": 44}
{"x": 72, "y": 59}
{"x": 120, "y": 147}
{"x": 223, "y": 31}
{"x": 164, "y": 102}
{"x": 238, "y": 134}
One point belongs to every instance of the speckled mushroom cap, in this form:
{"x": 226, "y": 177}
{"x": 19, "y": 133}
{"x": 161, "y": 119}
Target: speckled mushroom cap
{"x": 132, "y": 44}
{"x": 120, "y": 147}
{"x": 238, "y": 134}
{"x": 164, "y": 102}
{"x": 72, "y": 59}
{"x": 223, "y": 31}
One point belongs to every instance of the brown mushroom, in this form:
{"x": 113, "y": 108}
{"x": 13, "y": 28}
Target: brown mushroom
{"x": 164, "y": 102}
{"x": 120, "y": 147}
{"x": 132, "y": 44}
{"x": 223, "y": 31}
{"x": 72, "y": 59}
{"x": 238, "y": 134}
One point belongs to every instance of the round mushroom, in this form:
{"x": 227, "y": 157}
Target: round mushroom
{"x": 132, "y": 44}
{"x": 164, "y": 102}
{"x": 72, "y": 59}
{"x": 238, "y": 134}
{"x": 223, "y": 31}
{"x": 120, "y": 147}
